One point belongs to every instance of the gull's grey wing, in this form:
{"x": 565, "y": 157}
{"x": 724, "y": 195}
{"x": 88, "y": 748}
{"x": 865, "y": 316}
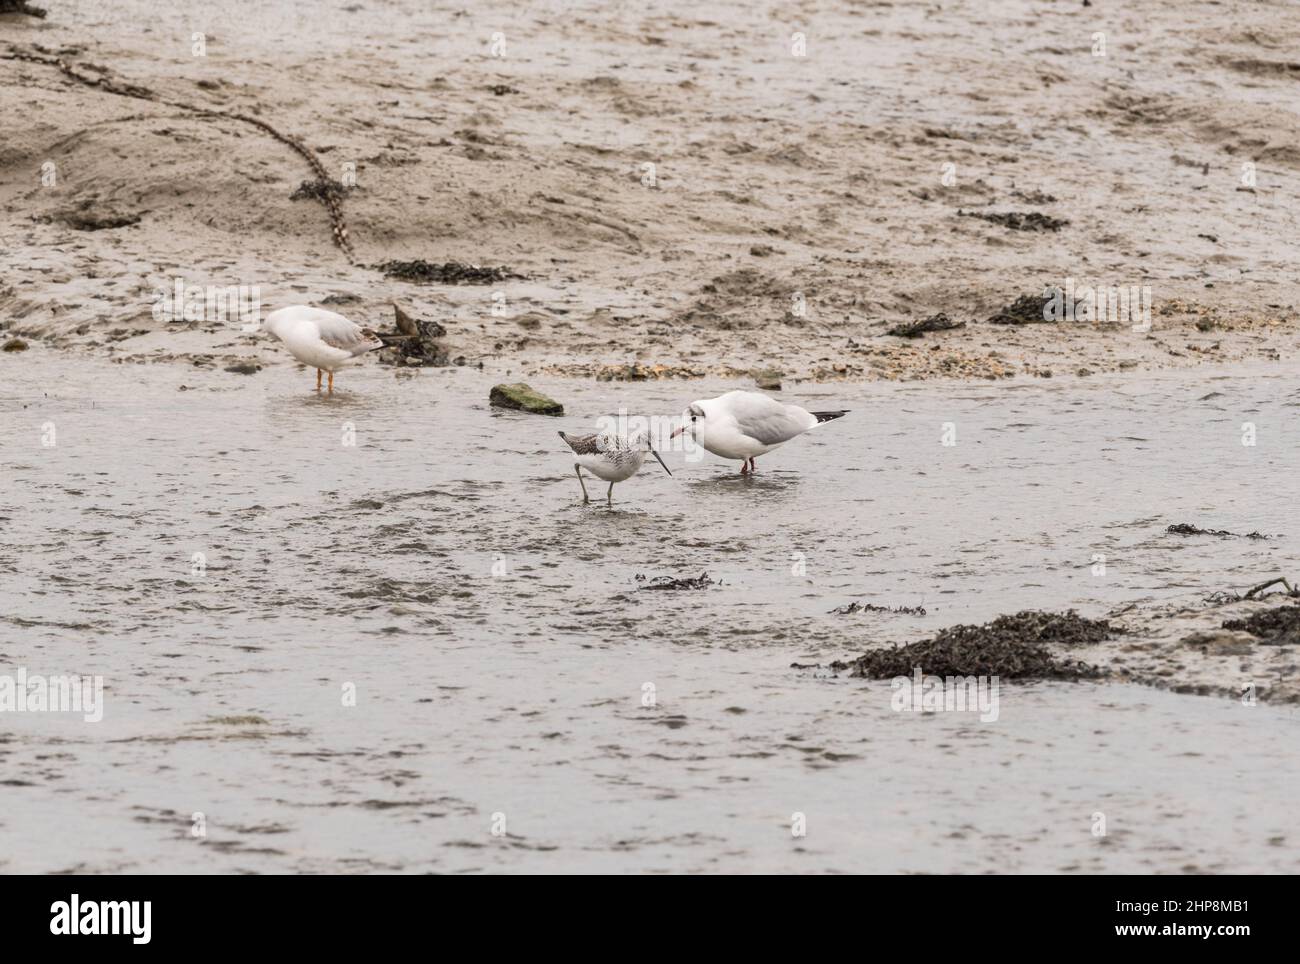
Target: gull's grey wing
{"x": 772, "y": 429}
{"x": 768, "y": 421}
{"x": 338, "y": 332}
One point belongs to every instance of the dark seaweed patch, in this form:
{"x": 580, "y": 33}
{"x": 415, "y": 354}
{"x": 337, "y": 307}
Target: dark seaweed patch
{"x": 319, "y": 190}
{"x": 1018, "y": 220}
{"x": 1186, "y": 529}
{"x": 1034, "y": 197}
{"x": 448, "y": 273}
{"x": 416, "y": 342}
{"x": 1274, "y": 627}
{"x": 1011, "y": 647}
{"x": 1025, "y": 310}
{"x": 701, "y": 581}
{"x": 20, "y": 6}
{"x": 915, "y": 329}
{"x": 857, "y": 607}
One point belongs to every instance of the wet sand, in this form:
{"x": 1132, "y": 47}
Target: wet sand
{"x": 495, "y": 631}
{"x": 824, "y": 176}
{"x": 499, "y": 642}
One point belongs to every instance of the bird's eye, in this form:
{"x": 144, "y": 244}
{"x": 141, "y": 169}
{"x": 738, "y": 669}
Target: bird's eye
{"x": 694, "y": 417}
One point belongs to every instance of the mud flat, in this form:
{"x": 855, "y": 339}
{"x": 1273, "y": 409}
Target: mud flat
{"x": 629, "y": 209}
{"x": 670, "y": 192}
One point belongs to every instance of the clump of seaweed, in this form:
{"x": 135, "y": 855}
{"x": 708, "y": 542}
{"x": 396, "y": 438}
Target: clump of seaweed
{"x": 857, "y": 607}
{"x": 701, "y": 581}
{"x": 21, "y": 6}
{"x": 915, "y": 329}
{"x": 1187, "y": 529}
{"x": 1010, "y": 647}
{"x": 1019, "y": 220}
{"x": 1035, "y": 196}
{"x": 416, "y": 342}
{"x": 1274, "y": 627}
{"x": 448, "y": 273}
{"x": 1025, "y": 310}
{"x": 321, "y": 189}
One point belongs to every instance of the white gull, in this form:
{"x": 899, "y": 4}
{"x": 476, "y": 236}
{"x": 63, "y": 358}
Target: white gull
{"x": 321, "y": 339}
{"x": 745, "y": 425}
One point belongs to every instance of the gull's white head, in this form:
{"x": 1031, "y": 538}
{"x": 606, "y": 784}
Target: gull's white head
{"x": 271, "y": 322}
{"x": 694, "y": 421}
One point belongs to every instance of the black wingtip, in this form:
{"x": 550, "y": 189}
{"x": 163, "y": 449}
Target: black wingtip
{"x": 828, "y": 416}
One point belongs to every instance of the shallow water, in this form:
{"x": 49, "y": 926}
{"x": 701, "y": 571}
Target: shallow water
{"x": 499, "y": 645}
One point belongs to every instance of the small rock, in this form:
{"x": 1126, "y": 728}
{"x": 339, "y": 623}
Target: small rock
{"x": 15, "y": 344}
{"x": 405, "y": 323}
{"x": 244, "y": 368}
{"x": 523, "y": 398}
{"x": 768, "y": 379}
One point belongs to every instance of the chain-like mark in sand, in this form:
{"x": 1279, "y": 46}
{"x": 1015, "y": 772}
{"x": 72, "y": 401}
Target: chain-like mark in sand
{"x": 327, "y": 198}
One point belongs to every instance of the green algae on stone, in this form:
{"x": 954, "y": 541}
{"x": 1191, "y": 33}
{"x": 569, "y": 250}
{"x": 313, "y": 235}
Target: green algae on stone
{"x": 524, "y": 398}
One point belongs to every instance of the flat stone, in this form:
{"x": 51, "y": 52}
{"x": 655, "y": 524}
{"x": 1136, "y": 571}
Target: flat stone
{"x": 524, "y": 398}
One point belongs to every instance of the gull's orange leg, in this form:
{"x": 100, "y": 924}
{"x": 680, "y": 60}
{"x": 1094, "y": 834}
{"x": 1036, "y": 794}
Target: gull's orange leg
{"x": 318, "y": 374}
{"x": 331, "y": 383}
